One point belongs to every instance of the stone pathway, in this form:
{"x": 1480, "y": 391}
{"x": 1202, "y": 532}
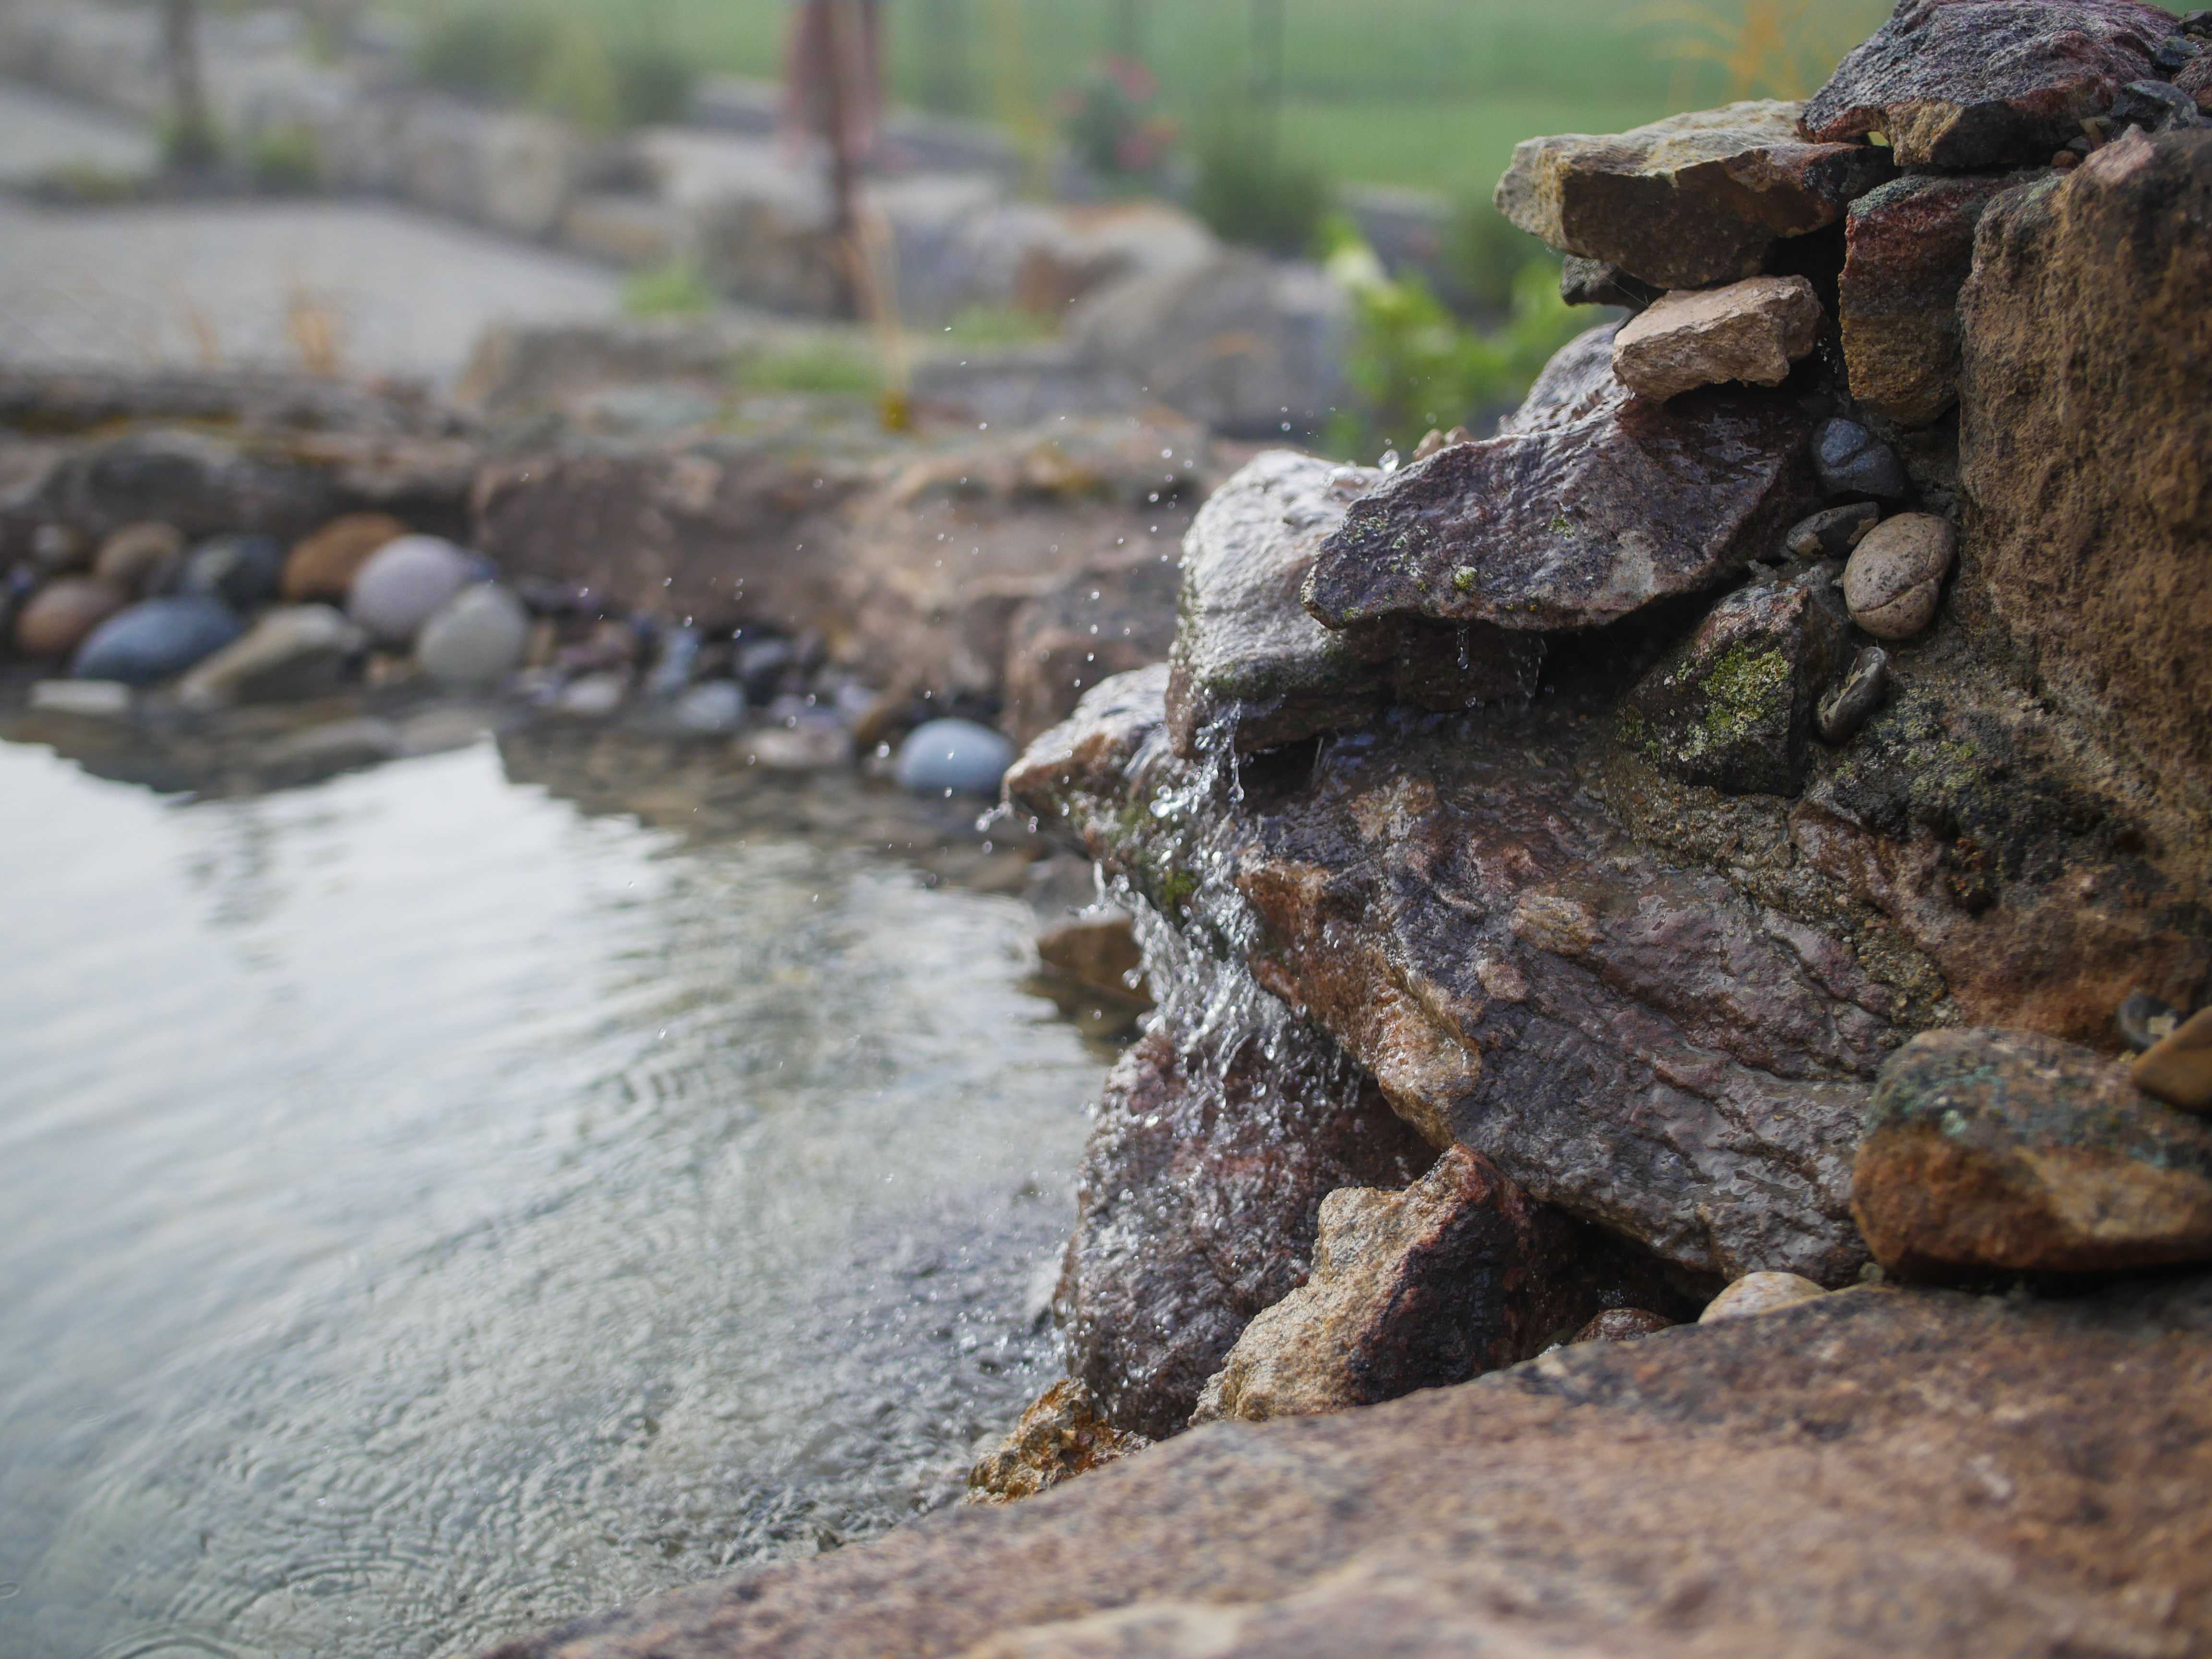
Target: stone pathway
{"x": 362, "y": 287}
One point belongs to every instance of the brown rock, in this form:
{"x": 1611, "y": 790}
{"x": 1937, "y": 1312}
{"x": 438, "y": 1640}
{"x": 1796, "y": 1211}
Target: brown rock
{"x": 1688, "y": 201}
{"x": 1059, "y": 1437}
{"x": 2196, "y": 79}
{"x": 1097, "y": 952}
{"x": 62, "y": 613}
{"x": 1910, "y": 246}
{"x": 2177, "y": 1067}
{"x": 1911, "y": 1472}
{"x": 2083, "y": 431}
{"x": 2005, "y": 1151}
{"x": 1251, "y": 668}
{"x": 134, "y": 556}
{"x": 1623, "y": 1325}
{"x": 1759, "y": 1293}
{"x": 1092, "y": 625}
{"x": 1895, "y": 576}
{"x": 1751, "y": 330}
{"x": 1459, "y": 1274}
{"x": 323, "y": 567}
{"x": 1588, "y": 505}
{"x": 1197, "y": 1207}
{"x": 1980, "y": 84}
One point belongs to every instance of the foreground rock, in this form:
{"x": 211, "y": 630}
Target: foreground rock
{"x": 1457, "y": 1275}
{"x": 2089, "y": 558}
{"x": 1750, "y": 332}
{"x": 1059, "y": 1438}
{"x": 1911, "y": 1472}
{"x": 1689, "y": 201}
{"x": 1588, "y": 506}
{"x": 1250, "y": 665}
{"x": 1982, "y": 83}
{"x": 2005, "y": 1150}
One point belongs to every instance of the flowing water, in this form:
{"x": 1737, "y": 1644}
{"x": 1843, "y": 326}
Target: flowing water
{"x": 429, "y": 1211}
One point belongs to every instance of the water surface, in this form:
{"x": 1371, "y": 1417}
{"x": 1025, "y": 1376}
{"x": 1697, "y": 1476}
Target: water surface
{"x": 428, "y": 1212}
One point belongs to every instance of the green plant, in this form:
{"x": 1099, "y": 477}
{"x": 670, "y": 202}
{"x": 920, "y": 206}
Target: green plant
{"x": 1111, "y": 126}
{"x": 675, "y": 289}
{"x": 286, "y": 159}
{"x": 984, "y": 326}
{"x": 1413, "y": 366}
{"x": 1249, "y": 192}
{"x": 654, "y": 84}
{"x": 574, "y": 78}
{"x": 492, "y": 55}
{"x": 817, "y": 366}
{"x": 1485, "y": 253}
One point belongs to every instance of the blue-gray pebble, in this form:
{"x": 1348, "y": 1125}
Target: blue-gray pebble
{"x": 156, "y": 640}
{"x": 960, "y": 756}
{"x": 241, "y": 572}
{"x": 1851, "y": 462}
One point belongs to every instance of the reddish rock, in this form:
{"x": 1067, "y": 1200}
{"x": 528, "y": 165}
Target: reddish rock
{"x": 323, "y": 567}
{"x": 1459, "y": 1274}
{"x": 2196, "y": 79}
{"x": 1910, "y": 247}
{"x": 1982, "y": 83}
{"x": 2083, "y": 432}
{"x": 1688, "y": 201}
{"x": 2004, "y": 1150}
{"x": 1588, "y": 506}
{"x": 63, "y": 612}
{"x": 1750, "y": 332}
{"x": 1914, "y": 1472}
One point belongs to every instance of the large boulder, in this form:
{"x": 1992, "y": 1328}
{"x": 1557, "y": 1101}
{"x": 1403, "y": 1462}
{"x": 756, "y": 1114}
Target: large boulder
{"x": 1982, "y": 83}
{"x": 1590, "y": 505}
{"x": 2004, "y": 1150}
{"x": 1252, "y": 668}
{"x": 1910, "y": 247}
{"x": 2083, "y": 434}
{"x": 1459, "y": 1274}
{"x": 1882, "y": 1471}
{"x": 1690, "y": 201}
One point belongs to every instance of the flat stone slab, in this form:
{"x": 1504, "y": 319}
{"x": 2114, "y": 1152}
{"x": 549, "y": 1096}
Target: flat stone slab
{"x": 1979, "y": 83}
{"x": 1588, "y": 506}
{"x": 1750, "y": 332}
{"x": 1689, "y": 201}
{"x": 1948, "y": 1476}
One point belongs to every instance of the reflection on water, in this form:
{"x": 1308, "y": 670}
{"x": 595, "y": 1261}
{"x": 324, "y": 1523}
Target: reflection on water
{"x": 431, "y": 1213}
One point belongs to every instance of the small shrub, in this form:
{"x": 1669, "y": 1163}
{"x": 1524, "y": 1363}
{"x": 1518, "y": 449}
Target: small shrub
{"x": 1112, "y": 126}
{"x": 676, "y": 289}
{"x": 1250, "y": 192}
{"x": 654, "y": 84}
{"x": 486, "y": 55}
{"x": 576, "y": 80}
{"x": 819, "y": 365}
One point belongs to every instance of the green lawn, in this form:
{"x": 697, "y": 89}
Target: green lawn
{"x": 1409, "y": 92}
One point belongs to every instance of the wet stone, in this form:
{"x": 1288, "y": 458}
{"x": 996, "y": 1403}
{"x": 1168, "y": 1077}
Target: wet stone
{"x": 1895, "y": 577}
{"x": 1750, "y": 332}
{"x": 155, "y": 640}
{"x": 1588, "y": 505}
{"x": 1832, "y": 533}
{"x": 1843, "y": 713}
{"x": 1983, "y": 84}
{"x": 1059, "y": 1437}
{"x": 404, "y": 584}
{"x": 1732, "y": 708}
{"x": 2010, "y": 1151}
{"x": 1594, "y": 282}
{"x": 2145, "y": 1021}
{"x": 2156, "y": 106}
{"x": 477, "y": 640}
{"x": 1759, "y": 1293}
{"x": 2177, "y": 1067}
{"x": 953, "y": 757}
{"x": 1688, "y": 201}
{"x": 1852, "y": 461}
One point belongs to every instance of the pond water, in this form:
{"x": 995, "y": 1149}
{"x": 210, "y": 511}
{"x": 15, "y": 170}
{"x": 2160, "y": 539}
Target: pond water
{"x": 429, "y": 1211}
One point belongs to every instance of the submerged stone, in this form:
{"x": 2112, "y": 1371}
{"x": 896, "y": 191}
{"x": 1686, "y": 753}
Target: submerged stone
{"x": 1985, "y": 84}
{"x": 1459, "y": 1274}
{"x": 2009, "y": 1151}
{"x": 1248, "y": 661}
{"x": 1588, "y": 505}
{"x": 1732, "y": 707}
{"x": 1688, "y": 201}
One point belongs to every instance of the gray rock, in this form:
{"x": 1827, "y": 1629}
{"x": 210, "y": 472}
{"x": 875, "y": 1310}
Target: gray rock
{"x": 405, "y": 584}
{"x": 476, "y": 639}
{"x": 241, "y": 571}
{"x": 953, "y": 758}
{"x": 1856, "y": 699}
{"x": 293, "y": 651}
{"x": 593, "y": 697}
{"x": 1852, "y": 461}
{"x": 91, "y": 699}
{"x": 713, "y": 706}
{"x": 1833, "y": 534}
{"x": 2156, "y": 106}
{"x": 155, "y": 640}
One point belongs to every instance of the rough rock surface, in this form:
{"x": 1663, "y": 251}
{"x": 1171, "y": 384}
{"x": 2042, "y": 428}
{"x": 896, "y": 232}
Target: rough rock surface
{"x": 1588, "y": 505}
{"x": 1250, "y": 664}
{"x": 1458, "y": 1274}
{"x": 1757, "y": 1293}
{"x": 1732, "y": 706}
{"x": 2177, "y": 1067}
{"x": 1910, "y": 247}
{"x": 1059, "y": 1437}
{"x": 1752, "y": 331}
{"x": 1197, "y": 1206}
{"x": 1895, "y": 577}
{"x": 2006, "y": 1150}
{"x": 1980, "y": 84}
{"x": 1688, "y": 201}
{"x": 2088, "y": 547}
{"x": 1883, "y": 1471}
